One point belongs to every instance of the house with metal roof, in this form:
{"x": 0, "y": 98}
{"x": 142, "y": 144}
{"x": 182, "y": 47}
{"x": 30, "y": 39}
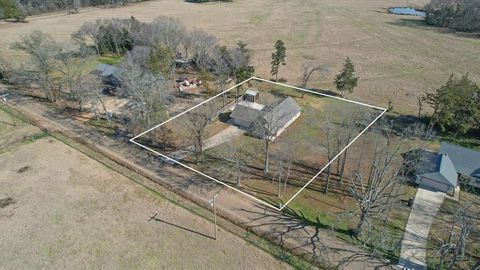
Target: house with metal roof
{"x": 264, "y": 120}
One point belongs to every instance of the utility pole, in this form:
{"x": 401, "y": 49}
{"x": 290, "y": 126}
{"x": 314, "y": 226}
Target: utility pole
{"x": 212, "y": 204}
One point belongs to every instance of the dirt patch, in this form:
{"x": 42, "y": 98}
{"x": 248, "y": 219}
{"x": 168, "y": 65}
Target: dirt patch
{"x": 4, "y": 202}
{"x": 23, "y": 169}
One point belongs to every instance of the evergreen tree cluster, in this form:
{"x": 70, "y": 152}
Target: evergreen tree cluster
{"x": 459, "y": 15}
{"x": 456, "y": 106}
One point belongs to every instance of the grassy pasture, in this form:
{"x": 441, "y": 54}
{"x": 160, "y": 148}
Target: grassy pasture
{"x": 60, "y": 209}
{"x": 396, "y": 57}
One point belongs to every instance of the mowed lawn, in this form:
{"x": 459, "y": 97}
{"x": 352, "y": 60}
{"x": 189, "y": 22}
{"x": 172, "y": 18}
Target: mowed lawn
{"x": 395, "y": 56}
{"x": 59, "y": 209}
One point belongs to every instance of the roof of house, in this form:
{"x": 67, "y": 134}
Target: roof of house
{"x": 106, "y": 70}
{"x": 465, "y": 160}
{"x": 282, "y": 112}
{"x": 422, "y": 161}
{"x": 246, "y": 113}
{"x": 440, "y": 168}
{"x": 278, "y": 113}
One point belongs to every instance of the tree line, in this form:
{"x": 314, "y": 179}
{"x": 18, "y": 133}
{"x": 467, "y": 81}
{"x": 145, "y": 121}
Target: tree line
{"x": 10, "y": 9}
{"x": 459, "y": 15}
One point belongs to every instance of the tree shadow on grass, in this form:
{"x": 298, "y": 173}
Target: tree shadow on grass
{"x": 285, "y": 226}
{"x": 421, "y": 24}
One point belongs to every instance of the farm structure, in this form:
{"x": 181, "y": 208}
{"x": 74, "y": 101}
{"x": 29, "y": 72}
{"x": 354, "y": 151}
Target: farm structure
{"x": 257, "y": 118}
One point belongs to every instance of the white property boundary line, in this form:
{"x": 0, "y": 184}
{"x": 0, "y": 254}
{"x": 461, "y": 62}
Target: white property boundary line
{"x": 236, "y": 189}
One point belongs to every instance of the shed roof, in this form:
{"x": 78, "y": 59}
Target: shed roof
{"x": 465, "y": 160}
{"x": 106, "y": 70}
{"x": 251, "y": 92}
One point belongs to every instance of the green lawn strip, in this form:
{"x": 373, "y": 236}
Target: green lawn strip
{"x": 14, "y": 113}
{"x": 110, "y": 59}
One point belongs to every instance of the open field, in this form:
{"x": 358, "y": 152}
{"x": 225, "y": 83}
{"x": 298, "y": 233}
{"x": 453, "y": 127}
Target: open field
{"x": 395, "y": 56}
{"x": 69, "y": 211}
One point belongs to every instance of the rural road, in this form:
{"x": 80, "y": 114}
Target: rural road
{"x": 424, "y": 209}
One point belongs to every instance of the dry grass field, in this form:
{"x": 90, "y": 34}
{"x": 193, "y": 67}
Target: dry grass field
{"x": 395, "y": 56}
{"x": 60, "y": 209}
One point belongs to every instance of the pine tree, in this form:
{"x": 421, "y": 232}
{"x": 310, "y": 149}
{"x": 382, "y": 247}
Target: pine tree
{"x": 346, "y": 81}
{"x": 278, "y": 58}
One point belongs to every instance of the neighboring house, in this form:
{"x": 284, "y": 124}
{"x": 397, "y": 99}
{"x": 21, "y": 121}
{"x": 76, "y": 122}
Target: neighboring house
{"x": 443, "y": 170}
{"x": 260, "y": 120}
{"x": 466, "y": 162}
{"x": 436, "y": 171}
{"x": 110, "y": 75}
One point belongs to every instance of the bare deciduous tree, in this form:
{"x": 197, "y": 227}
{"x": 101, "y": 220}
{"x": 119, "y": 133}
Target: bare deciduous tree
{"x": 196, "y": 122}
{"x": 202, "y": 47}
{"x": 71, "y": 64}
{"x": 308, "y": 70}
{"x": 222, "y": 68}
{"x": 286, "y": 158}
{"x": 42, "y": 49}
{"x": 89, "y": 32}
{"x": 148, "y": 92}
{"x": 167, "y": 31}
{"x": 267, "y": 128}
{"x": 375, "y": 189}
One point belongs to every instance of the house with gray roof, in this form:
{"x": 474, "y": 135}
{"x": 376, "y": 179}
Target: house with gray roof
{"x": 465, "y": 160}
{"x": 436, "y": 171}
{"x": 265, "y": 120}
{"x": 443, "y": 170}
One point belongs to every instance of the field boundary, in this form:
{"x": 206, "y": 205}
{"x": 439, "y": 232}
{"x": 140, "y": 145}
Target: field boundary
{"x": 383, "y": 111}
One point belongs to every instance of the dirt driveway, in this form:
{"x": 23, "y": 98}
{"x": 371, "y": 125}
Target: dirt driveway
{"x": 68, "y": 211}
{"x": 414, "y": 242}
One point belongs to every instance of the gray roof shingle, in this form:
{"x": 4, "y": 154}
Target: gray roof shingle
{"x": 444, "y": 171}
{"x": 277, "y": 114}
{"x": 465, "y": 160}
